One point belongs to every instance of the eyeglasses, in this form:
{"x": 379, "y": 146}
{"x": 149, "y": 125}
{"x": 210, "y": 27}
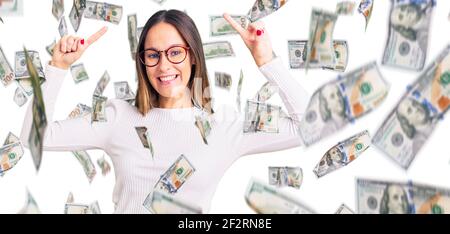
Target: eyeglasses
{"x": 175, "y": 54}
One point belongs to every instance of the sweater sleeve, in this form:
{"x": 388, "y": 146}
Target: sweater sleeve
{"x": 295, "y": 100}
{"x": 68, "y": 135}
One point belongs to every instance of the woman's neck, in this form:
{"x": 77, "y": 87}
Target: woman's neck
{"x": 172, "y": 103}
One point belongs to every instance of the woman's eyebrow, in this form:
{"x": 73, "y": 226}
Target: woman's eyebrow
{"x": 153, "y": 48}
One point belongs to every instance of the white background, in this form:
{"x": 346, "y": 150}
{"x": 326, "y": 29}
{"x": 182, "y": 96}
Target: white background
{"x": 60, "y": 172}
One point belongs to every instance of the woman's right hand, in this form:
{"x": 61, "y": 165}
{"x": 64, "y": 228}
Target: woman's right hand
{"x": 69, "y": 49}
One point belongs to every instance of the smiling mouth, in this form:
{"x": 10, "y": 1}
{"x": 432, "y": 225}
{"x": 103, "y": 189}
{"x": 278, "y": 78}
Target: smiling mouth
{"x": 168, "y": 79}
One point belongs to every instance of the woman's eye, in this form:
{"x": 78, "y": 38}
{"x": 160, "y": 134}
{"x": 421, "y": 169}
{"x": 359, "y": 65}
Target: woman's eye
{"x": 153, "y": 56}
{"x": 174, "y": 53}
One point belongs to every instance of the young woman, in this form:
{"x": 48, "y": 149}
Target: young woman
{"x": 170, "y": 56}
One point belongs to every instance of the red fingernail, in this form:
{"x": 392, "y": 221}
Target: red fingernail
{"x": 82, "y": 41}
{"x": 258, "y": 32}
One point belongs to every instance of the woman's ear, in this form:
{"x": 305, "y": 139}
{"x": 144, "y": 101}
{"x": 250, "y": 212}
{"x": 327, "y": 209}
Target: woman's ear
{"x": 193, "y": 62}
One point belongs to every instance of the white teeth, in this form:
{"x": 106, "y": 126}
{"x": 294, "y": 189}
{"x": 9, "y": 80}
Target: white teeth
{"x": 168, "y": 78}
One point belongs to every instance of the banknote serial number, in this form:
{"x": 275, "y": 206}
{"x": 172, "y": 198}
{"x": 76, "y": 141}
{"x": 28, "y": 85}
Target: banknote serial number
{"x": 246, "y": 223}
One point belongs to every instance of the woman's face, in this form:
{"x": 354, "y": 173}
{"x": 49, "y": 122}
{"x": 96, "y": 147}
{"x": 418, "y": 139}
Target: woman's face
{"x": 168, "y": 79}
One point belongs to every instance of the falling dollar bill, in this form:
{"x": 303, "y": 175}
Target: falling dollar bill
{"x": 264, "y": 199}
{"x": 11, "y": 8}
{"x": 11, "y": 152}
{"x": 320, "y": 48}
{"x": 286, "y": 176}
{"x": 62, "y": 28}
{"x": 239, "y": 89}
{"x": 20, "y": 97}
{"x": 266, "y": 92}
{"x": 103, "y": 11}
{"x": 341, "y": 101}
{"x": 345, "y": 8}
{"x": 82, "y": 156}
{"x": 99, "y": 108}
{"x": 297, "y": 55}
{"x": 39, "y": 125}
{"x": 75, "y": 17}
{"x": 204, "y": 126}
{"x": 263, "y": 8}
{"x": 79, "y": 73}
{"x": 223, "y": 80}
{"x": 219, "y": 26}
{"x": 218, "y": 49}
{"x": 261, "y": 117}
{"x": 23, "y": 75}
{"x": 30, "y": 206}
{"x": 145, "y": 139}
{"x": 409, "y": 25}
{"x": 161, "y": 203}
{"x": 50, "y": 48}
{"x": 175, "y": 176}
{"x": 101, "y": 84}
{"x": 104, "y": 165}
{"x": 343, "y": 209}
{"x": 387, "y": 197}
{"x": 132, "y": 34}
{"x": 365, "y": 8}
{"x": 6, "y": 72}
{"x": 58, "y": 9}
{"x": 123, "y": 91}
{"x": 76, "y": 208}
{"x": 411, "y": 122}
{"x": 343, "y": 153}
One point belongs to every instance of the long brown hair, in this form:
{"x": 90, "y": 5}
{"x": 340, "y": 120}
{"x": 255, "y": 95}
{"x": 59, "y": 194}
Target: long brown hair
{"x": 147, "y": 97}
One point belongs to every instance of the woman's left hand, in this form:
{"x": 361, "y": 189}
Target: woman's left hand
{"x": 255, "y": 38}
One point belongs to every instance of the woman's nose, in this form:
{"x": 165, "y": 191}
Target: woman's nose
{"x": 164, "y": 63}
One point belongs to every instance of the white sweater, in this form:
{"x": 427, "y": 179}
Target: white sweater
{"x": 172, "y": 133}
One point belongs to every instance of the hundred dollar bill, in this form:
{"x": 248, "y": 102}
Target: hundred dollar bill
{"x": 343, "y": 153}
{"x": 86, "y": 162}
{"x": 365, "y": 8}
{"x": 11, "y": 8}
{"x": 286, "y": 176}
{"x": 58, "y": 9}
{"x": 409, "y": 25}
{"x": 6, "y": 72}
{"x": 219, "y": 26}
{"x": 261, "y": 117}
{"x": 75, "y": 17}
{"x": 50, "y": 48}
{"x": 223, "y": 80}
{"x": 345, "y": 8}
{"x": 297, "y": 55}
{"x": 412, "y": 121}
{"x": 145, "y": 139}
{"x": 343, "y": 209}
{"x": 218, "y": 49}
{"x": 21, "y": 72}
{"x": 20, "y": 97}
{"x": 320, "y": 48}
{"x": 264, "y": 199}
{"x": 341, "y": 101}
{"x": 132, "y": 34}
{"x": 30, "y": 206}
{"x": 204, "y": 126}
{"x": 62, "y": 28}
{"x": 82, "y": 156}
{"x": 123, "y": 91}
{"x": 39, "y": 124}
{"x": 103, "y": 11}
{"x": 239, "y": 89}
{"x": 104, "y": 165}
{"x": 79, "y": 73}
{"x": 101, "y": 84}
{"x": 73, "y": 208}
{"x": 387, "y": 197}
{"x": 266, "y": 92}
{"x": 11, "y": 152}
{"x": 99, "y": 108}
{"x": 175, "y": 176}
{"x": 263, "y": 8}
{"x": 161, "y": 203}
